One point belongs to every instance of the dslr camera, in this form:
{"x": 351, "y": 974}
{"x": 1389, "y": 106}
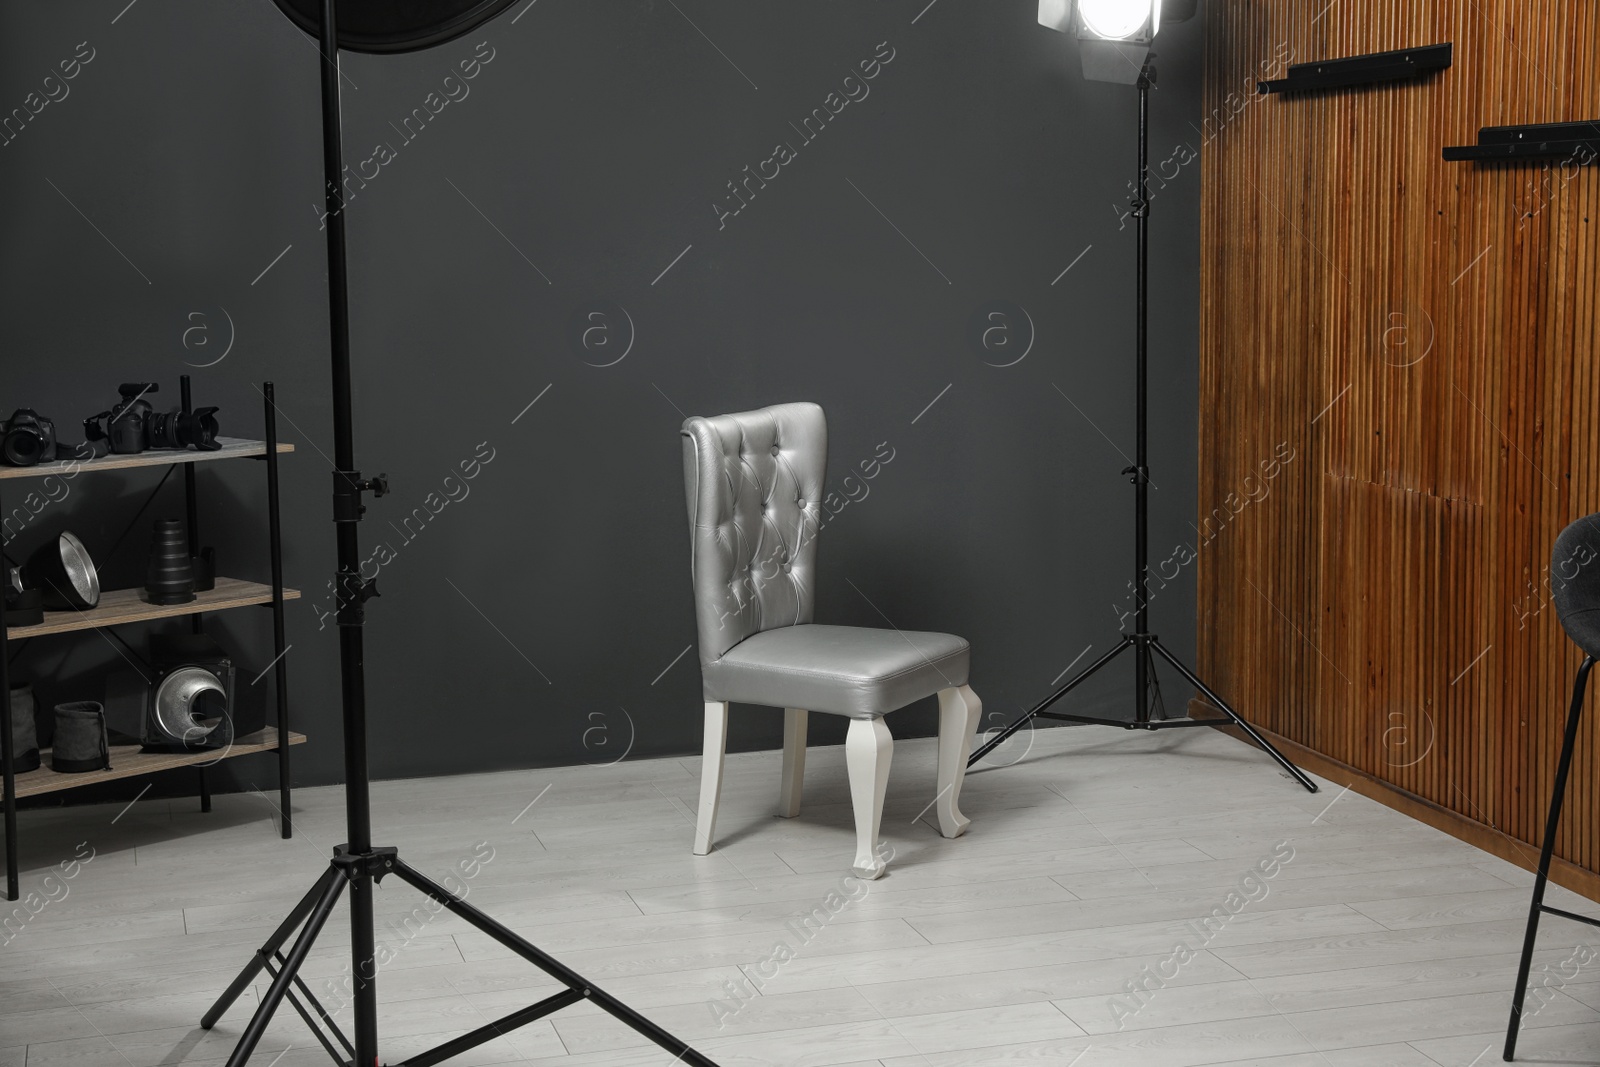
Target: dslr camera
{"x": 27, "y": 438}
{"x": 133, "y": 425}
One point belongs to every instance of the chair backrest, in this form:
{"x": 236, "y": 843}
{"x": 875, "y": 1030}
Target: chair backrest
{"x": 753, "y": 482}
{"x": 1575, "y": 582}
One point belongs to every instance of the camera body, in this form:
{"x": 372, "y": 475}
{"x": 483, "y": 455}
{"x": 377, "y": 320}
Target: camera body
{"x": 133, "y": 425}
{"x": 27, "y": 438}
{"x": 126, "y": 427}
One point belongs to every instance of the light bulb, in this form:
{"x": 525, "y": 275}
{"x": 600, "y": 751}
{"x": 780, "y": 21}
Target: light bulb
{"x": 1116, "y": 20}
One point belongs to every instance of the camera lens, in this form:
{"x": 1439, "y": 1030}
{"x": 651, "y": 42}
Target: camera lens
{"x": 174, "y": 429}
{"x": 164, "y": 431}
{"x": 22, "y": 447}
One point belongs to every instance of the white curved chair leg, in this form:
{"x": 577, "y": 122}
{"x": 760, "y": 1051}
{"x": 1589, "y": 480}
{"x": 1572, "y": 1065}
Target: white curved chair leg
{"x": 959, "y": 710}
{"x": 868, "y": 747}
{"x": 794, "y": 762}
{"x": 711, "y": 775}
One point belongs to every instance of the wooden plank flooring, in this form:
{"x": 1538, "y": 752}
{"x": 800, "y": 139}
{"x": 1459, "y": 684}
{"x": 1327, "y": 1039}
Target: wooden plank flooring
{"x": 1382, "y": 941}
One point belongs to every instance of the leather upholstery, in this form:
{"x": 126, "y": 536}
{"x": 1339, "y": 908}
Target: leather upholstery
{"x": 754, "y": 482}
{"x": 1575, "y": 582}
{"x": 845, "y": 670}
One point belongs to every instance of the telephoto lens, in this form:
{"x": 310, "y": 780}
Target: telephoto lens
{"x": 170, "y": 577}
{"x": 181, "y": 429}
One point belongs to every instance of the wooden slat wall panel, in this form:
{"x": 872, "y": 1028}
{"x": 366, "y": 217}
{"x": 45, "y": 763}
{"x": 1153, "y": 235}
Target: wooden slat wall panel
{"x": 1420, "y": 336}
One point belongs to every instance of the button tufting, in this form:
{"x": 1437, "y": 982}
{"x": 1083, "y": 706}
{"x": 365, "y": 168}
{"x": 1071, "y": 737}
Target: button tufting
{"x": 774, "y": 450}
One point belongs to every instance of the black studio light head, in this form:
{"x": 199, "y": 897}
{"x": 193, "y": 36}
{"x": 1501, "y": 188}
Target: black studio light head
{"x": 1114, "y": 36}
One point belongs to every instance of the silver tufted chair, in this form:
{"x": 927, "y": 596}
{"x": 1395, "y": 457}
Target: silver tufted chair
{"x": 754, "y": 483}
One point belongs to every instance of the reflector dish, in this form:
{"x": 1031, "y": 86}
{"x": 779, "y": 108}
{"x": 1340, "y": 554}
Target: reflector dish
{"x": 381, "y": 26}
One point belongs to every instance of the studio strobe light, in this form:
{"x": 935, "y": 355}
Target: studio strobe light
{"x": 1114, "y": 36}
{"x": 188, "y": 697}
{"x": 1114, "y": 39}
{"x": 1118, "y": 20}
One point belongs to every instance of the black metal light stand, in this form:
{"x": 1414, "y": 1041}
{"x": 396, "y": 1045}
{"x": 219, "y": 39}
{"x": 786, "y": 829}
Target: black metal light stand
{"x": 358, "y": 865}
{"x": 1142, "y": 641}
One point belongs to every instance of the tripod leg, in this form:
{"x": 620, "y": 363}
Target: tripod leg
{"x": 1552, "y": 821}
{"x": 499, "y": 1028}
{"x": 279, "y": 936}
{"x": 313, "y": 1025}
{"x": 1073, "y": 683}
{"x": 331, "y": 888}
{"x": 571, "y": 979}
{"x": 364, "y": 1026}
{"x": 1233, "y": 716}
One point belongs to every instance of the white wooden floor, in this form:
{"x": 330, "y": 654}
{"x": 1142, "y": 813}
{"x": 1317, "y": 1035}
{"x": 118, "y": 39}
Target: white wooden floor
{"x": 1381, "y": 942}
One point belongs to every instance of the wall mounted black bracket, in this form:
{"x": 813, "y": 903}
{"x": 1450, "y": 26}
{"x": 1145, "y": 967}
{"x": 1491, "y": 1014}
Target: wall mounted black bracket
{"x": 1361, "y": 70}
{"x": 1577, "y": 141}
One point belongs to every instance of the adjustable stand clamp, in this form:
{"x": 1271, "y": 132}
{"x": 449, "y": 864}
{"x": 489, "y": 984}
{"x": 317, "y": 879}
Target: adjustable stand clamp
{"x": 374, "y": 863}
{"x": 347, "y": 489}
{"x": 351, "y": 590}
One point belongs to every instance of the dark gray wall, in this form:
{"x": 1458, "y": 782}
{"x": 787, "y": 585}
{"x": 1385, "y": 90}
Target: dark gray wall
{"x": 533, "y": 620}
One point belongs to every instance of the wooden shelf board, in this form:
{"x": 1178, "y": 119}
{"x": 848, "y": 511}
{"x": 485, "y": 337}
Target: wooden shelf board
{"x": 120, "y": 606}
{"x": 127, "y": 761}
{"x": 232, "y": 448}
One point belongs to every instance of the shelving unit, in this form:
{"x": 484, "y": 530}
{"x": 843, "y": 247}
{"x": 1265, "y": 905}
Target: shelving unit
{"x": 121, "y": 607}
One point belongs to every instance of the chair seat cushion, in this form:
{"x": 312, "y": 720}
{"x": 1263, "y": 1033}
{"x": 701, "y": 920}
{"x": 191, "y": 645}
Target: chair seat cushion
{"x": 844, "y": 670}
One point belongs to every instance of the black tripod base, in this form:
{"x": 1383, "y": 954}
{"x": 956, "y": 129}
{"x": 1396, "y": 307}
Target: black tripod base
{"x": 1144, "y": 644}
{"x": 310, "y": 915}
